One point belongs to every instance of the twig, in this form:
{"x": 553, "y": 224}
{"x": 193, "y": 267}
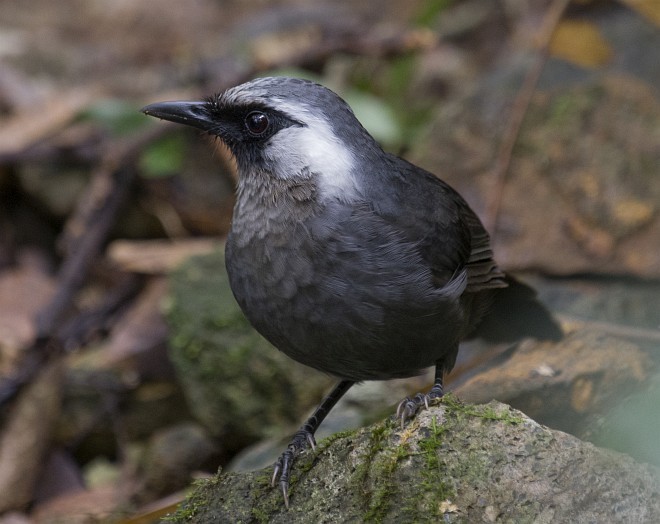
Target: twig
{"x": 108, "y": 190}
{"x": 518, "y": 111}
{"x": 92, "y": 222}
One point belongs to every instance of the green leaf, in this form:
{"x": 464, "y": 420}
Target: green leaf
{"x": 429, "y": 12}
{"x": 164, "y": 157}
{"x": 116, "y": 116}
{"x": 376, "y": 116}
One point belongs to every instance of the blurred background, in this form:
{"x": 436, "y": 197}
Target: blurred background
{"x": 126, "y": 368}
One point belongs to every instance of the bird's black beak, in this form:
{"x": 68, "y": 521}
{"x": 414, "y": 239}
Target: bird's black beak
{"x": 193, "y": 114}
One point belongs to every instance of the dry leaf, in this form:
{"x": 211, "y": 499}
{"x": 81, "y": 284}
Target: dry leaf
{"x": 649, "y": 8}
{"x": 24, "y": 292}
{"x": 580, "y": 43}
{"x": 103, "y": 504}
{"x": 26, "y": 436}
{"x": 26, "y": 128}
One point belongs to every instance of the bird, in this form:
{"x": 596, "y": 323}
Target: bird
{"x": 347, "y": 258}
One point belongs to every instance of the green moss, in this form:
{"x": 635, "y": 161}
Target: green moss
{"x": 434, "y": 473}
{"x": 381, "y": 497}
{"x": 424, "y": 501}
{"x": 266, "y": 500}
{"x": 425, "y": 504}
{"x": 373, "y": 478}
{"x": 485, "y": 411}
{"x": 188, "y": 509}
{"x": 379, "y": 485}
{"x": 260, "y": 515}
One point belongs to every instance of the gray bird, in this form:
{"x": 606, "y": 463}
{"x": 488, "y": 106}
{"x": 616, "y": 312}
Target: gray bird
{"x": 348, "y": 259}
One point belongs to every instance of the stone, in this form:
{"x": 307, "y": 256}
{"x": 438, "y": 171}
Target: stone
{"x": 453, "y": 463}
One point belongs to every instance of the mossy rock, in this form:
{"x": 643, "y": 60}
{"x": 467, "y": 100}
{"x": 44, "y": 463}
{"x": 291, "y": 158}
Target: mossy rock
{"x": 453, "y": 463}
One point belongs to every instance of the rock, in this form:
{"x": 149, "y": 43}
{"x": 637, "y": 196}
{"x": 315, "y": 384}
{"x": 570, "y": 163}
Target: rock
{"x": 564, "y": 384}
{"x": 173, "y": 455}
{"x": 89, "y": 417}
{"x": 616, "y": 302}
{"x": 452, "y": 463}
{"x": 362, "y": 405}
{"x": 237, "y": 385}
{"x": 582, "y": 176}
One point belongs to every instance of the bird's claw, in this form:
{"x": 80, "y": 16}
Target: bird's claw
{"x": 408, "y": 407}
{"x": 282, "y": 471}
{"x": 284, "y": 465}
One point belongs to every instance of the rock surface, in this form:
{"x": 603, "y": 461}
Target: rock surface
{"x": 566, "y": 384}
{"x": 582, "y": 175}
{"x": 452, "y": 463}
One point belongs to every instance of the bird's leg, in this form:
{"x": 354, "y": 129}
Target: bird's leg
{"x": 305, "y": 435}
{"x": 409, "y": 406}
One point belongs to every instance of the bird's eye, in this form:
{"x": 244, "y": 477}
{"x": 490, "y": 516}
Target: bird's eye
{"x": 256, "y": 123}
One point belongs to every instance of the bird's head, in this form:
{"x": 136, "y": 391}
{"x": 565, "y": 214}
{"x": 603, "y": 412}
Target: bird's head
{"x": 283, "y": 128}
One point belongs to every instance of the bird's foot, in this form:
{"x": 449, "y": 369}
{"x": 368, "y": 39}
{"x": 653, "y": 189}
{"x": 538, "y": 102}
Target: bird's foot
{"x": 284, "y": 465}
{"x": 408, "y": 407}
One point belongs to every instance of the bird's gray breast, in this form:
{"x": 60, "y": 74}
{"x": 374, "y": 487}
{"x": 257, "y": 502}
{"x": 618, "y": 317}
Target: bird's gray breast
{"x": 342, "y": 291}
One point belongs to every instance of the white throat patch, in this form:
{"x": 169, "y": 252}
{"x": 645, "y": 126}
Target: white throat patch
{"x": 316, "y": 148}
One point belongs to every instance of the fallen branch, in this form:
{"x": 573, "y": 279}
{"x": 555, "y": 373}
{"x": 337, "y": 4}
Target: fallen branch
{"x": 92, "y": 222}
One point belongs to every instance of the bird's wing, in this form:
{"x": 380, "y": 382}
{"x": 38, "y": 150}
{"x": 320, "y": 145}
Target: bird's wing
{"x": 449, "y": 235}
{"x": 483, "y": 272}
